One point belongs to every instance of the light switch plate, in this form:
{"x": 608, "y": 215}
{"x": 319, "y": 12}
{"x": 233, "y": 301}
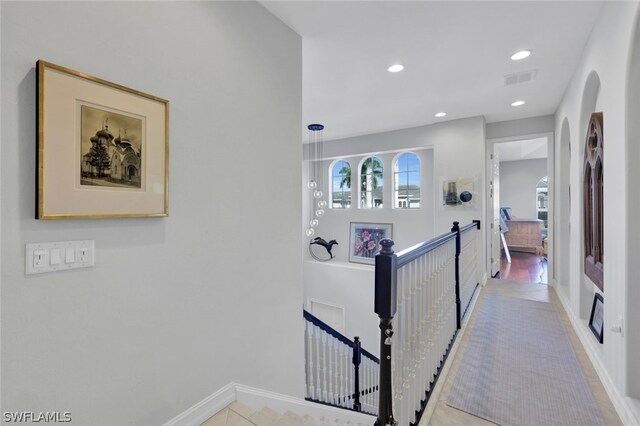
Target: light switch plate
{"x": 59, "y": 256}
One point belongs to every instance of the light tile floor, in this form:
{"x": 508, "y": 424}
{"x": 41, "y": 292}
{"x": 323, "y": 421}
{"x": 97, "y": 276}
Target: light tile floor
{"x": 443, "y": 415}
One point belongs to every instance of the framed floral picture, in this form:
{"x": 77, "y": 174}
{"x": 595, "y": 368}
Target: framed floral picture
{"x": 103, "y": 149}
{"x": 364, "y": 241}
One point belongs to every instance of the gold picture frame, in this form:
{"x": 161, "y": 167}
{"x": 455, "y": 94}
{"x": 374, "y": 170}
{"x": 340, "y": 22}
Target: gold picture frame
{"x": 103, "y": 149}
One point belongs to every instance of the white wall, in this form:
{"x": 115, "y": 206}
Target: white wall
{"x": 521, "y": 127}
{"x": 177, "y": 307}
{"x": 605, "y": 58}
{"x": 348, "y": 285}
{"x": 633, "y": 206}
{"x": 456, "y": 149}
{"x": 518, "y": 180}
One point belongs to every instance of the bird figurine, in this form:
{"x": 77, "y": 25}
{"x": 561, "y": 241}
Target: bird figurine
{"x": 327, "y": 245}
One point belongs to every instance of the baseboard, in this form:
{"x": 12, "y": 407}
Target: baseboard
{"x": 256, "y": 399}
{"x": 206, "y": 408}
{"x": 485, "y": 277}
{"x": 624, "y": 410}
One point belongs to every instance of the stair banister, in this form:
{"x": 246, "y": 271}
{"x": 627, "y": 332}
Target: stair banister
{"x": 356, "y": 360}
{"x": 437, "y": 278}
{"x": 456, "y": 229}
{"x": 385, "y": 307}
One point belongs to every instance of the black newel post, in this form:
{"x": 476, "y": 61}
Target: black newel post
{"x": 386, "y": 307}
{"x": 357, "y": 355}
{"x": 456, "y": 229}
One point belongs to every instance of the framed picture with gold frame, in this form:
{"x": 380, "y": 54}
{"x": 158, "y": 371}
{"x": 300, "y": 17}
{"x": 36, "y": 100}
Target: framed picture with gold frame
{"x": 103, "y": 149}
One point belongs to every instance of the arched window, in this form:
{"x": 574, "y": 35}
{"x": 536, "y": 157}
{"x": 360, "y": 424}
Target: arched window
{"x": 542, "y": 202}
{"x": 371, "y": 173}
{"x": 341, "y": 185}
{"x": 406, "y": 181}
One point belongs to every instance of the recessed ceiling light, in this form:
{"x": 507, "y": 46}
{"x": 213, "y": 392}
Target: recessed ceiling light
{"x": 520, "y": 55}
{"x": 517, "y": 103}
{"x": 441, "y": 114}
{"x": 395, "y": 68}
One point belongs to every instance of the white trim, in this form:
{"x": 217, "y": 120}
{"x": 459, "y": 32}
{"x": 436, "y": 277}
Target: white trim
{"x": 330, "y": 188}
{"x": 206, "y": 408}
{"x": 394, "y": 172}
{"x": 312, "y": 300}
{"x": 256, "y": 399}
{"x": 620, "y": 403}
{"x": 551, "y": 212}
{"x": 369, "y": 154}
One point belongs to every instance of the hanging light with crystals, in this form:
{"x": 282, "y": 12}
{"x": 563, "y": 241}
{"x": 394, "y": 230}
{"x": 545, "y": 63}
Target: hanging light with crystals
{"x": 317, "y": 204}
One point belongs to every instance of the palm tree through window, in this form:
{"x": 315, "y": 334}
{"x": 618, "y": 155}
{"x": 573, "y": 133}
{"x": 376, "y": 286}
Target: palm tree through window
{"x": 341, "y": 185}
{"x": 371, "y": 183}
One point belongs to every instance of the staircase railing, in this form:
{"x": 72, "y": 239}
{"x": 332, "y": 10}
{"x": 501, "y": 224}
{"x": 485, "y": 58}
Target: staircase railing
{"x": 338, "y": 371}
{"x": 422, "y": 293}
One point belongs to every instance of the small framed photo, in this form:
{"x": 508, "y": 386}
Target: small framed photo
{"x": 596, "y": 321}
{"x": 364, "y": 241}
{"x": 103, "y": 149}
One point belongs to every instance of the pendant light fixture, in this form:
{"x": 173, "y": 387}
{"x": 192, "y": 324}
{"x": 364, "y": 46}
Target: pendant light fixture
{"x": 317, "y": 203}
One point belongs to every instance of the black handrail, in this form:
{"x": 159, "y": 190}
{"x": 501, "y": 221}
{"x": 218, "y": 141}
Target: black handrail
{"x": 356, "y": 359}
{"x": 386, "y": 272}
{"x": 332, "y": 331}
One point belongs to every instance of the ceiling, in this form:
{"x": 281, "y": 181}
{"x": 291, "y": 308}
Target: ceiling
{"x": 529, "y": 149}
{"x": 456, "y": 56}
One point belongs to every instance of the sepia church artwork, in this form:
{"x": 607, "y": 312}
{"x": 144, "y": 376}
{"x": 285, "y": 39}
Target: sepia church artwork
{"x": 102, "y": 148}
{"x": 111, "y": 149}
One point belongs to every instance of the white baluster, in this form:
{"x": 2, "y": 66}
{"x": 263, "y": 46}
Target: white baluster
{"x": 372, "y": 388}
{"x": 324, "y": 397}
{"x": 330, "y": 344}
{"x": 318, "y": 338}
{"x": 364, "y": 374}
{"x": 369, "y": 384}
{"x": 348, "y": 374}
{"x": 337, "y": 372}
{"x": 308, "y": 337}
{"x": 376, "y": 380}
{"x": 351, "y": 386}
{"x": 372, "y": 385}
{"x": 341, "y": 375}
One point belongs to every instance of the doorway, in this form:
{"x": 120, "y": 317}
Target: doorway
{"x": 521, "y": 207}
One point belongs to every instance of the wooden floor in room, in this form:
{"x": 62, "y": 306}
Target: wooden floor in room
{"x": 526, "y": 267}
